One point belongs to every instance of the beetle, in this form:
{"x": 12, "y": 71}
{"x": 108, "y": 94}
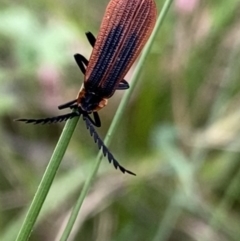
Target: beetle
{"x": 125, "y": 29}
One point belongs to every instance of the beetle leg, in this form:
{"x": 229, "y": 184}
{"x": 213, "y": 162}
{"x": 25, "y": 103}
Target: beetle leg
{"x": 123, "y": 85}
{"x": 95, "y": 120}
{"x": 91, "y": 38}
{"x": 68, "y": 104}
{"x": 81, "y": 61}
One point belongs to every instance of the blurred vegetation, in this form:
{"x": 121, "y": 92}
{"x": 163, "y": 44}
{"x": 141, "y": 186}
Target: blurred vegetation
{"x": 180, "y": 134}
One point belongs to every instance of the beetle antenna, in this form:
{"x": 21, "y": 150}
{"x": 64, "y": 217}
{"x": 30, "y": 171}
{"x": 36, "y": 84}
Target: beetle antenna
{"x": 50, "y": 120}
{"x": 102, "y": 146}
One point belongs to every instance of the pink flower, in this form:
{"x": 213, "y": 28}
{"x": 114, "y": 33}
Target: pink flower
{"x": 186, "y": 6}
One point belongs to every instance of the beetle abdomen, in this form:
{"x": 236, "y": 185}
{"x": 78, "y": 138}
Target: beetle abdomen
{"x": 126, "y": 26}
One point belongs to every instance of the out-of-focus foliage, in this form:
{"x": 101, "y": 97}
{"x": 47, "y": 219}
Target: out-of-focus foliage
{"x": 180, "y": 133}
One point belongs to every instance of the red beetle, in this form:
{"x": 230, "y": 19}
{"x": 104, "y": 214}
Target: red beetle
{"x": 125, "y": 29}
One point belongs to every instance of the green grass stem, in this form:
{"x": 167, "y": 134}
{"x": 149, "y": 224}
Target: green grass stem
{"x": 47, "y": 180}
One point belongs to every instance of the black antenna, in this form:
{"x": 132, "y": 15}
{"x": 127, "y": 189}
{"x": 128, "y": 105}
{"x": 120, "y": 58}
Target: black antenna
{"x": 102, "y": 146}
{"x": 50, "y": 120}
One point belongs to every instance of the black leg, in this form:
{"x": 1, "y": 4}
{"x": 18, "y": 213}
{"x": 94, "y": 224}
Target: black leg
{"x": 68, "y": 104}
{"x": 96, "y": 119}
{"x": 91, "y": 38}
{"x": 81, "y": 61}
{"x": 123, "y": 85}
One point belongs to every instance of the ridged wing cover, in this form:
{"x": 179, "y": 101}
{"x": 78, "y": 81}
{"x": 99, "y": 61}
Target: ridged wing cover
{"x": 125, "y": 28}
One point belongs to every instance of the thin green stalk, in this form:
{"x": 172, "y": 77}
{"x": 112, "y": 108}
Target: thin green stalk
{"x": 47, "y": 180}
{"x": 219, "y": 214}
{"x": 117, "y": 118}
{"x": 170, "y": 218}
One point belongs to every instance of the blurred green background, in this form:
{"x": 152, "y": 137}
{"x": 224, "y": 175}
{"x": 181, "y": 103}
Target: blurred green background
{"x": 180, "y": 132}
